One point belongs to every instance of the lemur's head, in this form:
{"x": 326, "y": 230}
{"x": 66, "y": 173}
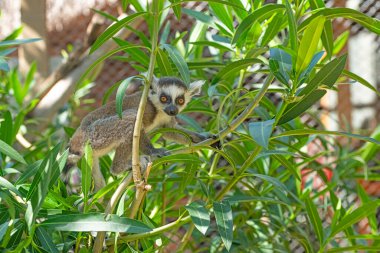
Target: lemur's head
{"x": 171, "y": 94}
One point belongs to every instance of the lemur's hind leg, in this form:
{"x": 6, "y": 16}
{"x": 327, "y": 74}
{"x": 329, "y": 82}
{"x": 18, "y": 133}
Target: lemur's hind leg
{"x": 107, "y": 134}
{"x": 99, "y": 181}
{"x": 122, "y": 156}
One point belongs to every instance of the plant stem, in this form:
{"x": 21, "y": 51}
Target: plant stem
{"x": 186, "y": 238}
{"x": 156, "y": 231}
{"x": 136, "y": 171}
{"x": 98, "y": 245}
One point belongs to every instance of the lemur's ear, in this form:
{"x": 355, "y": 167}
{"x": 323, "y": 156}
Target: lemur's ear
{"x": 195, "y": 88}
{"x": 154, "y": 83}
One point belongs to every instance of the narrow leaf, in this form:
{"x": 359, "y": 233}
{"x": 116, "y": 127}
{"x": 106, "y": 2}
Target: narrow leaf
{"x": 371, "y": 24}
{"x": 8, "y": 43}
{"x": 86, "y": 168}
{"x": 314, "y": 219}
{"x": 324, "y": 132}
{"x": 113, "y": 29}
{"x": 94, "y": 222}
{"x": 327, "y": 76}
{"x": 179, "y": 61}
{"x": 261, "y": 132}
{"x": 358, "y": 214}
{"x": 120, "y": 95}
{"x": 199, "y": 215}
{"x": 292, "y": 27}
{"x": 8, "y": 185}
{"x": 258, "y": 15}
{"x": 309, "y": 43}
{"x": 46, "y": 240}
{"x": 233, "y": 68}
{"x": 9, "y": 151}
{"x": 163, "y": 63}
{"x": 361, "y": 81}
{"x": 224, "y": 222}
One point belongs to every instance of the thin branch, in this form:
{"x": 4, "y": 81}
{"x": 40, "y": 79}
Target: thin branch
{"x": 98, "y": 245}
{"x": 156, "y": 231}
{"x": 136, "y": 172}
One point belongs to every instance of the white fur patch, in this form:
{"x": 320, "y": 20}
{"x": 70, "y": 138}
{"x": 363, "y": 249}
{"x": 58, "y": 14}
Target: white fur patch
{"x": 161, "y": 119}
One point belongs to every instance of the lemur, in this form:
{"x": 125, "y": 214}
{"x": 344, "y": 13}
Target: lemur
{"x": 106, "y": 131}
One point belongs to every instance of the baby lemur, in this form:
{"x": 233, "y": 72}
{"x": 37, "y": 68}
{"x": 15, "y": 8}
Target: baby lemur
{"x": 106, "y": 131}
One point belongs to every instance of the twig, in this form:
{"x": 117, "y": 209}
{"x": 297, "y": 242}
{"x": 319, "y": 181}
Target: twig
{"x": 156, "y": 231}
{"x": 98, "y": 245}
{"x": 136, "y": 172}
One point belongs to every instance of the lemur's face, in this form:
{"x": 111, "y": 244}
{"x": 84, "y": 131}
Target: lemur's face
{"x": 171, "y": 95}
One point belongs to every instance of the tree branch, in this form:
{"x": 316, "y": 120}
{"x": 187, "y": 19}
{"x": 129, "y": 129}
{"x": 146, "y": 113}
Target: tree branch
{"x": 136, "y": 172}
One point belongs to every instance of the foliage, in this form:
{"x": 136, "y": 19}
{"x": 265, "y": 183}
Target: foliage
{"x": 249, "y": 195}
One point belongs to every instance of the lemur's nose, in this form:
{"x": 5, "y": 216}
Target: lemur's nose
{"x": 171, "y": 110}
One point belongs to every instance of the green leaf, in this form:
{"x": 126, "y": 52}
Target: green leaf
{"x": 340, "y": 42}
{"x": 358, "y": 214}
{"x": 216, "y": 44}
{"x": 177, "y": 9}
{"x": 371, "y": 24}
{"x": 327, "y": 34}
{"x": 328, "y": 38}
{"x": 293, "y": 39}
{"x": 163, "y": 63}
{"x": 199, "y": 215}
{"x": 224, "y": 222}
{"x": 185, "y": 158}
{"x": 46, "y": 240}
{"x": 8, "y": 185}
{"x": 309, "y": 95}
{"x": 309, "y": 43}
{"x": 258, "y": 15}
{"x": 86, "y": 168}
{"x": 8, "y": 43}
{"x": 6, "y": 128}
{"x": 272, "y": 29}
{"x": 3, "y": 229}
{"x": 220, "y": 10}
{"x": 4, "y": 65}
{"x": 179, "y": 61}
{"x": 314, "y": 218}
{"x": 361, "y": 81}
{"x": 250, "y": 199}
{"x": 280, "y": 64}
{"x": 305, "y": 74}
{"x": 9, "y": 151}
{"x": 324, "y": 132}
{"x": 120, "y": 95}
{"x": 113, "y": 29}
{"x": 30, "y": 171}
{"x": 234, "y": 68}
{"x": 261, "y": 132}
{"x": 136, "y": 53}
{"x": 94, "y": 222}
{"x": 203, "y": 65}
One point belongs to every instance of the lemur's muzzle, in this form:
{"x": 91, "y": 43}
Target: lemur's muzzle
{"x": 171, "y": 110}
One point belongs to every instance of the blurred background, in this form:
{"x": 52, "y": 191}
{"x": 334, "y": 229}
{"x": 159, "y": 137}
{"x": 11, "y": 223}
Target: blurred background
{"x": 67, "y": 27}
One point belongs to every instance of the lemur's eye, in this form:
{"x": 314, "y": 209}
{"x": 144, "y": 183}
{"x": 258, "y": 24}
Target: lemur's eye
{"x": 163, "y": 99}
{"x": 180, "y": 101}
